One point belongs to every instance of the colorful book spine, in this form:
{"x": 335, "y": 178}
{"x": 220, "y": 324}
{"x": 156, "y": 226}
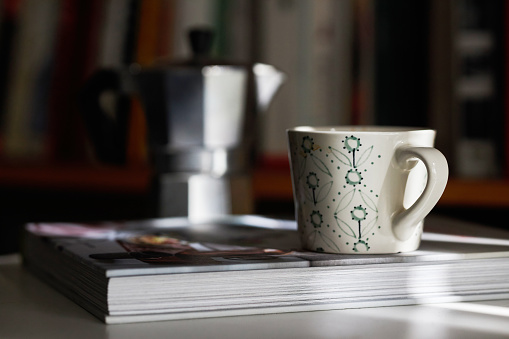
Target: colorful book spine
{"x": 24, "y": 123}
{"x": 478, "y": 43}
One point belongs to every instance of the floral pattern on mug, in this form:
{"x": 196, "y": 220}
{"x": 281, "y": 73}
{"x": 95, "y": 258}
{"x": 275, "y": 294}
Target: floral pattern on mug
{"x": 318, "y": 168}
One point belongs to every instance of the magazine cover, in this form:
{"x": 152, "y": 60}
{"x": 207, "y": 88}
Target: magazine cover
{"x": 176, "y": 245}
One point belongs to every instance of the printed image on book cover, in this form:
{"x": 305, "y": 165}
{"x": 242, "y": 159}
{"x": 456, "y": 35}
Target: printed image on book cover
{"x": 175, "y": 245}
{"x": 209, "y": 246}
{"x": 178, "y": 248}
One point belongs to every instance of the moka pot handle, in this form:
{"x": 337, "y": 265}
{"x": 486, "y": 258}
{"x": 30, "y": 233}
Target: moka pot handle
{"x": 106, "y": 121}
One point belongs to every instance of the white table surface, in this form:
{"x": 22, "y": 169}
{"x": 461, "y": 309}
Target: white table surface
{"x": 31, "y": 309}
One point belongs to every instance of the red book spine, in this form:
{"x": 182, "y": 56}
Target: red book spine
{"x": 76, "y": 38}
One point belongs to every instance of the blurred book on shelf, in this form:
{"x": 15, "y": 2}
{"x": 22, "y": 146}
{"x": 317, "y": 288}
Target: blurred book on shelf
{"x": 431, "y": 63}
{"x": 311, "y": 41}
{"x": 32, "y": 52}
{"x": 401, "y": 32}
{"x": 478, "y": 88}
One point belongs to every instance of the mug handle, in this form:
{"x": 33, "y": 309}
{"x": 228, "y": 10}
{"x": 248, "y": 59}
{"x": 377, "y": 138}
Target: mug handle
{"x": 405, "y": 223}
{"x": 108, "y": 132}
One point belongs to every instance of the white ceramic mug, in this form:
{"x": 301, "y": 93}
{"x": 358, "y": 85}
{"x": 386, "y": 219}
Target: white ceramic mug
{"x": 364, "y": 189}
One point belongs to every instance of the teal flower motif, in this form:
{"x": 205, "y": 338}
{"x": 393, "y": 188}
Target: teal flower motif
{"x": 353, "y": 177}
{"x": 358, "y": 244}
{"x": 352, "y": 144}
{"x": 312, "y": 180}
{"x": 307, "y": 144}
{"x": 316, "y": 219}
{"x": 358, "y": 213}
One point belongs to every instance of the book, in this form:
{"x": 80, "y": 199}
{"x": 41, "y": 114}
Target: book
{"x": 310, "y": 41}
{"x": 75, "y": 53}
{"x": 478, "y": 88}
{"x": 24, "y": 125}
{"x": 167, "y": 29}
{"x": 401, "y": 62}
{"x": 363, "y": 63}
{"x": 163, "y": 269}
{"x": 234, "y": 28}
{"x": 9, "y": 25}
{"x": 442, "y": 60}
{"x": 189, "y": 14}
{"x": 147, "y": 43}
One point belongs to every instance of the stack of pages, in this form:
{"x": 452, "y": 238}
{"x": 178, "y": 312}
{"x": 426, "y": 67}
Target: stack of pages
{"x": 175, "y": 269}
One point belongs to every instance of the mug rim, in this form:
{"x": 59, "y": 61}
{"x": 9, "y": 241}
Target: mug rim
{"x": 339, "y": 129}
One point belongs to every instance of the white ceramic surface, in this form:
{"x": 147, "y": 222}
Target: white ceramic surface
{"x": 364, "y": 189}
